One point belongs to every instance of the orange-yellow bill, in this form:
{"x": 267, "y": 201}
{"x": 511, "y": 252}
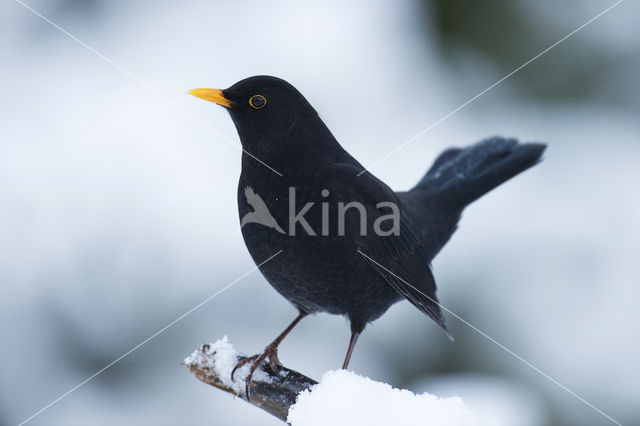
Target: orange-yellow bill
{"x": 212, "y": 95}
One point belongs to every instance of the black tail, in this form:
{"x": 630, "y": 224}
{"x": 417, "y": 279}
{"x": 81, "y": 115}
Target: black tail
{"x": 460, "y": 176}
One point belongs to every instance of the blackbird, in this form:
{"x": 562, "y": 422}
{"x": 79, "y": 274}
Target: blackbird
{"x": 347, "y": 243}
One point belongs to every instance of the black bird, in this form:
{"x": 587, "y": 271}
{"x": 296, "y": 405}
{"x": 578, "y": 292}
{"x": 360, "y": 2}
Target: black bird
{"x": 340, "y": 266}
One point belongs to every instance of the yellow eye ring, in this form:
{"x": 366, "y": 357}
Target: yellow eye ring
{"x": 257, "y": 101}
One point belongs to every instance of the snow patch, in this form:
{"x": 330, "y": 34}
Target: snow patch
{"x": 345, "y": 398}
{"x": 221, "y": 358}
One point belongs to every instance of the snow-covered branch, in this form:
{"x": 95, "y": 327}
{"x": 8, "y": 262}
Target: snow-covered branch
{"x": 273, "y": 391}
{"x": 341, "y": 397}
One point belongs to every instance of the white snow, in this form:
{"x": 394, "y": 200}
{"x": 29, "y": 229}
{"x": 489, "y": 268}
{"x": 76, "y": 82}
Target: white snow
{"x": 221, "y": 357}
{"x": 345, "y": 398}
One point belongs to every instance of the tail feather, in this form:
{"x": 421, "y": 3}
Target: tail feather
{"x": 461, "y": 176}
{"x": 457, "y": 178}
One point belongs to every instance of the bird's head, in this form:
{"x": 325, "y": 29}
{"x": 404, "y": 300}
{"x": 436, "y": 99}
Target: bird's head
{"x": 265, "y": 109}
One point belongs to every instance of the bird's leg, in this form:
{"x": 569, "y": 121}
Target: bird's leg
{"x": 271, "y": 352}
{"x": 352, "y": 344}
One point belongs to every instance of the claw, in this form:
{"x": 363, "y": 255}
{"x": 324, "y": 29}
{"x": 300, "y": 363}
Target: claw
{"x": 242, "y": 363}
{"x": 248, "y": 379}
{"x": 270, "y": 352}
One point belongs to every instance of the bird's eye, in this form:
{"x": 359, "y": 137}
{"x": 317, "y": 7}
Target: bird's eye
{"x": 257, "y": 101}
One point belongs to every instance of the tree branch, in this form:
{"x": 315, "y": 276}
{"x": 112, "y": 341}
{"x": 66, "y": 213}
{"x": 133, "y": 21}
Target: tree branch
{"x": 273, "y": 391}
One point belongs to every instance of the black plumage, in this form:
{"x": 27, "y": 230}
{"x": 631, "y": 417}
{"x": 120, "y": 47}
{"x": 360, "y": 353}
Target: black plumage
{"x": 359, "y": 275}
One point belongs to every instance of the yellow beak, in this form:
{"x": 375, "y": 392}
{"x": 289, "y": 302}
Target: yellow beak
{"x": 212, "y": 95}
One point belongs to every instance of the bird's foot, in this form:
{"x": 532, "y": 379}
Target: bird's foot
{"x": 243, "y": 362}
{"x": 270, "y": 352}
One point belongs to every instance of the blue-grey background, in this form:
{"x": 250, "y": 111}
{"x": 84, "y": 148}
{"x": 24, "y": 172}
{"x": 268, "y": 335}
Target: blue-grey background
{"x": 118, "y": 210}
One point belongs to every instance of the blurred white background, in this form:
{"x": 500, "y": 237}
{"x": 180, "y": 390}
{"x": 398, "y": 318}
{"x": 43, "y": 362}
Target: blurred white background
{"x": 118, "y": 210}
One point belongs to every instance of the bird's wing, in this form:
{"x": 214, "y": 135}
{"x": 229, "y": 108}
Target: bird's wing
{"x": 401, "y": 260}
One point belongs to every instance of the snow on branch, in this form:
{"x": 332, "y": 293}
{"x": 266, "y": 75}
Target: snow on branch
{"x": 341, "y": 397}
{"x": 273, "y": 391}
